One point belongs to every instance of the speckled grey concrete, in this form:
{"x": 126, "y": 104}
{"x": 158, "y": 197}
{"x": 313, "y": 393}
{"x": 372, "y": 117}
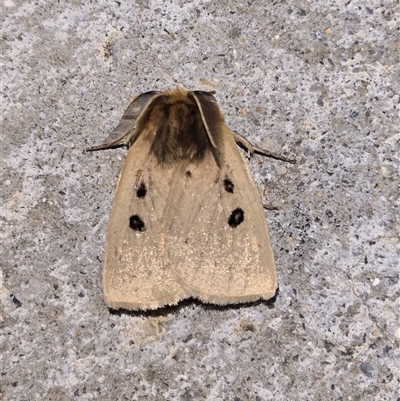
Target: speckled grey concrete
{"x": 319, "y": 81}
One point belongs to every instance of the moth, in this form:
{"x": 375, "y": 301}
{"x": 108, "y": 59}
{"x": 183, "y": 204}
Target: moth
{"x": 186, "y": 220}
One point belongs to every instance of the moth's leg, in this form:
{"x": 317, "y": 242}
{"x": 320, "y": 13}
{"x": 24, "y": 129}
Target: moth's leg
{"x": 124, "y": 133}
{"x": 121, "y": 135}
{"x": 242, "y": 141}
{"x": 270, "y": 207}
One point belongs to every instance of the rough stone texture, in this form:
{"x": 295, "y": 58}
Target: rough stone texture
{"x": 317, "y": 79}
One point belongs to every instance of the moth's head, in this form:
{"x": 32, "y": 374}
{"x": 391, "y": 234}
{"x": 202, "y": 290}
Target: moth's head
{"x": 182, "y": 125}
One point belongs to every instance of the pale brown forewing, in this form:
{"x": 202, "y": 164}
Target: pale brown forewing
{"x": 188, "y": 237}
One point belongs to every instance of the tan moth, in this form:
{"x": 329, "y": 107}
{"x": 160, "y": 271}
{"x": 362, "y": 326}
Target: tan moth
{"x": 187, "y": 220}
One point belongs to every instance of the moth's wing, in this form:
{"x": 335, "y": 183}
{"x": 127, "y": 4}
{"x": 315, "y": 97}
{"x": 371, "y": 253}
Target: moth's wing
{"x": 137, "y": 272}
{"x": 122, "y": 134}
{"x": 187, "y": 247}
{"x": 216, "y": 257}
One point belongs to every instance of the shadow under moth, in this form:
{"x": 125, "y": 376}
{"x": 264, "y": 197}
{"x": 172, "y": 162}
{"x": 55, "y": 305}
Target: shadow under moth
{"x": 187, "y": 220}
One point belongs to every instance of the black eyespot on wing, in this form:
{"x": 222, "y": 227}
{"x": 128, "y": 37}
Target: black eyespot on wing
{"x": 236, "y": 217}
{"x": 228, "y": 185}
{"x": 188, "y": 174}
{"x": 141, "y": 191}
{"x": 136, "y": 223}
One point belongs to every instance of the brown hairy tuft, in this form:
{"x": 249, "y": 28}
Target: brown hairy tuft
{"x": 176, "y": 125}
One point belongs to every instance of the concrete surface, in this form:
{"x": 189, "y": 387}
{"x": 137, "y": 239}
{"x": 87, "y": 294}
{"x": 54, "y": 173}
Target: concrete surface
{"x": 314, "y": 79}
